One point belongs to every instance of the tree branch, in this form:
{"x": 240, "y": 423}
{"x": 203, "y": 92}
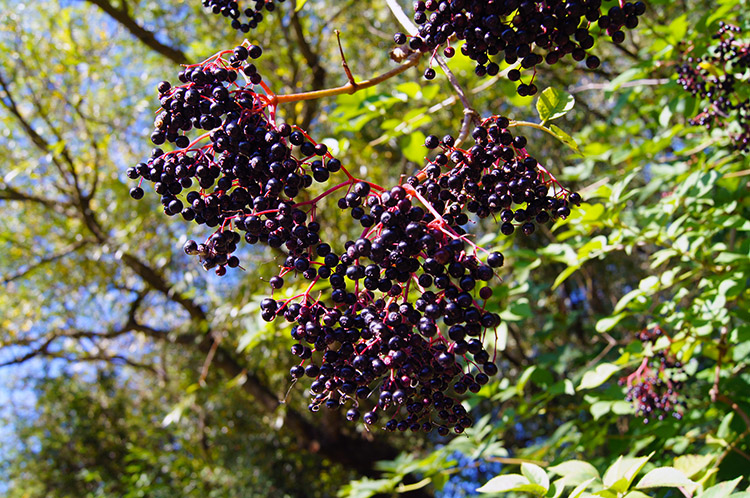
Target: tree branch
{"x": 349, "y": 88}
{"x": 147, "y": 37}
{"x": 470, "y": 115}
{"x": 313, "y": 62}
{"x": 44, "y": 261}
{"x": 8, "y": 193}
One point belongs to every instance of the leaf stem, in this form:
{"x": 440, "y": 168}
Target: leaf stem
{"x": 515, "y": 124}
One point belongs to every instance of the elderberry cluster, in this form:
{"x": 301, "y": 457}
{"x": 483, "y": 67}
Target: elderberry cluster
{"x": 407, "y": 300}
{"x": 654, "y": 388}
{"x": 496, "y": 176}
{"x": 232, "y": 10}
{"x": 525, "y": 31}
{"x": 715, "y": 78}
{"x": 392, "y": 326}
{"x": 376, "y": 349}
{"x": 248, "y": 173}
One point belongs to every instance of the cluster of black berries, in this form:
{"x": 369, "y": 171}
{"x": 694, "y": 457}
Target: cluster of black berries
{"x": 232, "y": 10}
{"x": 248, "y": 173}
{"x": 714, "y": 78}
{"x": 391, "y": 327}
{"x": 495, "y": 177}
{"x": 529, "y": 32}
{"x": 407, "y": 312}
{"x": 377, "y": 348}
{"x": 654, "y": 388}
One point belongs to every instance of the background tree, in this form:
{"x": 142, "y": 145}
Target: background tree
{"x": 146, "y": 376}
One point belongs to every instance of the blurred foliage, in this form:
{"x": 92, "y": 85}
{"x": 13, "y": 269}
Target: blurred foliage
{"x": 102, "y": 407}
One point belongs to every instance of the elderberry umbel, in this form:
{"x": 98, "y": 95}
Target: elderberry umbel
{"x": 495, "y": 177}
{"x": 243, "y": 175}
{"x": 406, "y": 325}
{"x": 716, "y": 78}
{"x": 242, "y": 19}
{"x": 654, "y": 388}
{"x": 392, "y": 325}
{"x": 528, "y": 32}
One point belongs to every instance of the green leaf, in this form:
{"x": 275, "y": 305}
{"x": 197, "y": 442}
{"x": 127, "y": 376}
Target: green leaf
{"x": 598, "y": 376}
{"x": 608, "y": 323}
{"x": 666, "y": 477}
{"x": 410, "y": 88}
{"x": 565, "y": 138}
{"x": 621, "y": 473}
{"x": 412, "y": 146}
{"x": 535, "y": 474}
{"x": 574, "y": 472}
{"x": 721, "y": 490}
{"x": 500, "y": 484}
{"x": 691, "y": 465}
{"x": 578, "y": 490}
{"x": 554, "y": 103}
{"x": 366, "y": 487}
{"x": 564, "y": 275}
{"x": 636, "y": 494}
{"x": 300, "y": 4}
{"x": 626, "y": 299}
{"x": 600, "y": 408}
{"x": 524, "y": 379}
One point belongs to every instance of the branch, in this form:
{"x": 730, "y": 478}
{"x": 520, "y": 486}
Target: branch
{"x": 8, "y": 193}
{"x": 157, "y": 282}
{"x": 470, "y": 115}
{"x": 313, "y": 62}
{"x": 58, "y": 159}
{"x": 10, "y": 104}
{"x": 41, "y": 350}
{"x": 44, "y": 261}
{"x": 147, "y": 37}
{"x": 722, "y": 347}
{"x": 349, "y": 88}
{"x": 401, "y": 17}
{"x": 725, "y": 399}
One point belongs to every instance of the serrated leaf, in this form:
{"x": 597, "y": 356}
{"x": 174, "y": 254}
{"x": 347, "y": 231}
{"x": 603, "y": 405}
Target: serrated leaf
{"x": 579, "y": 490}
{"x": 566, "y": 139}
{"x": 691, "y": 465}
{"x": 553, "y": 103}
{"x": 666, "y": 477}
{"x": 500, "y": 484}
{"x": 721, "y": 490}
{"x": 535, "y": 474}
{"x": 621, "y": 473}
{"x": 574, "y": 472}
{"x": 608, "y": 323}
{"x": 598, "y": 376}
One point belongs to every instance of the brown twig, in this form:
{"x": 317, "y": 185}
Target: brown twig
{"x": 714, "y": 392}
{"x": 349, "y": 88}
{"x": 726, "y": 399}
{"x": 209, "y": 359}
{"x": 343, "y": 61}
